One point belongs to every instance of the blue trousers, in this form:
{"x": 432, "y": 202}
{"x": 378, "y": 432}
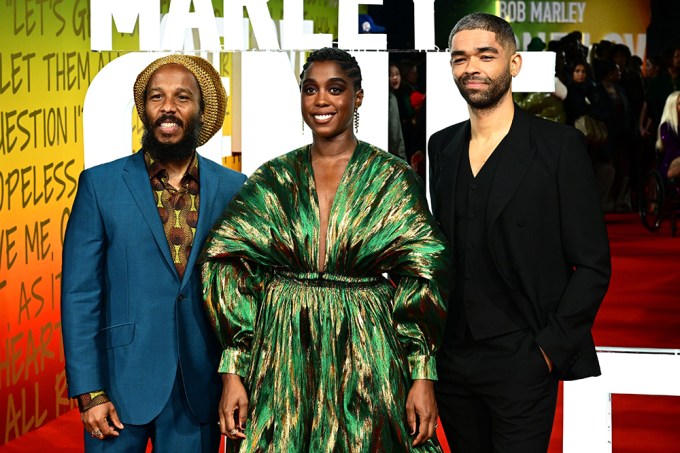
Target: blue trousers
{"x": 175, "y": 429}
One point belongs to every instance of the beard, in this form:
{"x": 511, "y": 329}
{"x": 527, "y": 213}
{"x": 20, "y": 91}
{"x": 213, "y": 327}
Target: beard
{"x": 482, "y": 100}
{"x": 173, "y": 152}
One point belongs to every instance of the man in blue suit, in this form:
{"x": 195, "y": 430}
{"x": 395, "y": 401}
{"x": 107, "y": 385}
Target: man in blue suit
{"x": 141, "y": 357}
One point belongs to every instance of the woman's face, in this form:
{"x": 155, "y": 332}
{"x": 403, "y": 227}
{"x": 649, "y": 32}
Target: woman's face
{"x": 395, "y": 77}
{"x": 651, "y": 70}
{"x": 328, "y": 99}
{"x": 579, "y": 74}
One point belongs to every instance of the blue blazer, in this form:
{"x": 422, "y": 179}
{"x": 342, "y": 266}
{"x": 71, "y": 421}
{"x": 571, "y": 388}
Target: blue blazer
{"x": 128, "y": 321}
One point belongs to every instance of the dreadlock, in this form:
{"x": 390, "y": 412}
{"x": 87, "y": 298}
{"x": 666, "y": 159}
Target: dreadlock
{"x": 347, "y": 63}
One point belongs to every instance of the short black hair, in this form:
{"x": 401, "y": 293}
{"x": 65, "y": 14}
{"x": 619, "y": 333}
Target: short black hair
{"x": 347, "y": 63}
{"x": 488, "y": 22}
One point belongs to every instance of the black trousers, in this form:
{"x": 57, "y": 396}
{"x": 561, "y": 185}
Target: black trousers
{"x": 496, "y": 395}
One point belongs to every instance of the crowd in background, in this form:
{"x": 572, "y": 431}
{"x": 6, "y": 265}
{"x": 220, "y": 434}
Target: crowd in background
{"x": 407, "y": 110}
{"x": 605, "y": 92}
{"x": 614, "y": 98}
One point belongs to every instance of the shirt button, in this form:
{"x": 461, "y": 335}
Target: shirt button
{"x": 468, "y": 275}
{"x": 471, "y": 216}
{"x": 469, "y": 247}
{"x": 474, "y": 186}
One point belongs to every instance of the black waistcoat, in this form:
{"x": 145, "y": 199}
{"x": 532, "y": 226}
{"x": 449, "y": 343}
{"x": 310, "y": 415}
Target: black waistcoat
{"x": 481, "y": 305}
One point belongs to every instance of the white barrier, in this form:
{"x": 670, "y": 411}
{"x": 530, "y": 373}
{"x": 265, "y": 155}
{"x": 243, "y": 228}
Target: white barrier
{"x": 587, "y": 402}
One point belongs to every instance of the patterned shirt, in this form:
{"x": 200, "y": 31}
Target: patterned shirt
{"x": 178, "y": 208}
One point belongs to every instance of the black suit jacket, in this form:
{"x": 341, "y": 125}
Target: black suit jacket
{"x": 545, "y": 231}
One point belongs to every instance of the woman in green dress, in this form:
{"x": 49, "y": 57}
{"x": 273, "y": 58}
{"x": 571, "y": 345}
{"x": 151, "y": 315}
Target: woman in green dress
{"x": 322, "y": 352}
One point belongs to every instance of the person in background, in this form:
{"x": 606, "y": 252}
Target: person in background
{"x": 140, "y": 353}
{"x": 395, "y": 137}
{"x": 410, "y": 99}
{"x": 622, "y": 130}
{"x": 652, "y": 109}
{"x": 657, "y": 91}
{"x": 580, "y": 92}
{"x": 321, "y": 352}
{"x": 673, "y": 66}
{"x": 668, "y": 137}
{"x": 504, "y": 183}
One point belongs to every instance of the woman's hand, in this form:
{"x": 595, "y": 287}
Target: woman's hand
{"x": 233, "y": 407}
{"x": 421, "y": 411}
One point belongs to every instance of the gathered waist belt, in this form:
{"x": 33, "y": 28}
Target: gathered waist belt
{"x": 327, "y": 278}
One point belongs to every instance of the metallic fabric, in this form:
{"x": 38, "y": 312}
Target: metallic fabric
{"x": 328, "y": 358}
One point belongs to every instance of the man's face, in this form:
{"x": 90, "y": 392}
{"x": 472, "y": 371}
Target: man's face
{"x": 173, "y": 100}
{"x": 482, "y": 68}
{"x": 173, "y": 113}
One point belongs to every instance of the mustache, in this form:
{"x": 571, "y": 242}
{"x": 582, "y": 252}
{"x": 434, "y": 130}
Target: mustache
{"x": 168, "y": 119}
{"x": 475, "y": 78}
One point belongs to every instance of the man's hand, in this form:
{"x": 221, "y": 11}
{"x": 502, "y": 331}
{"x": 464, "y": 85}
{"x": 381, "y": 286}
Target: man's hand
{"x": 233, "y": 407}
{"x": 547, "y": 359}
{"x": 421, "y": 411}
{"x": 101, "y": 421}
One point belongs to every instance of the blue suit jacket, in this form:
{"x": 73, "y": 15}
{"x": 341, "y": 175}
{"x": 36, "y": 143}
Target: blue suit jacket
{"x": 128, "y": 321}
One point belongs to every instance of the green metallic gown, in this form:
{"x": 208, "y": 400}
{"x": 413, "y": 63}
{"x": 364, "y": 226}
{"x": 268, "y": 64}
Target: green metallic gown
{"x": 327, "y": 358}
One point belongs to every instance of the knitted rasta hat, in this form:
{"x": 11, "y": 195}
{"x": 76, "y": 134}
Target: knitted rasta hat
{"x": 212, "y": 91}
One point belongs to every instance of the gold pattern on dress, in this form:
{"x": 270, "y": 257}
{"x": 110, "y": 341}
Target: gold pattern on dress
{"x": 328, "y": 358}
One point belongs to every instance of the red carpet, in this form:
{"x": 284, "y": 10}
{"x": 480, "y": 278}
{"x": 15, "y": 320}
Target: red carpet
{"x": 642, "y": 309}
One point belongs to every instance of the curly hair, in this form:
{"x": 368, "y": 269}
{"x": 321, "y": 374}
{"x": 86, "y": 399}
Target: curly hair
{"x": 347, "y": 63}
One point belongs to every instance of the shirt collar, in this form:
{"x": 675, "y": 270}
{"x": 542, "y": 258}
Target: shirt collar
{"x": 156, "y": 168}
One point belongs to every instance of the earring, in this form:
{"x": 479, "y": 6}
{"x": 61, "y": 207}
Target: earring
{"x": 356, "y": 121}
{"x": 303, "y": 126}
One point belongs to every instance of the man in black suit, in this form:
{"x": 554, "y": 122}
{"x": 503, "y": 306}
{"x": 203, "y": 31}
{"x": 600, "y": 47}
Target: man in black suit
{"x": 516, "y": 197}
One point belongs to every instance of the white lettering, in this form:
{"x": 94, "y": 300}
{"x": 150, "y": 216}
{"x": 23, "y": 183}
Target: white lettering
{"x": 264, "y": 30}
{"x": 513, "y": 11}
{"x": 124, "y": 14}
{"x": 580, "y": 9}
{"x": 348, "y": 28}
{"x": 536, "y": 15}
{"x": 180, "y": 22}
{"x": 636, "y": 48}
{"x": 423, "y": 24}
{"x": 293, "y": 34}
{"x": 556, "y": 12}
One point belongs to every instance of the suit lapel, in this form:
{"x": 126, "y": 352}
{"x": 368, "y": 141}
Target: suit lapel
{"x": 516, "y": 153}
{"x": 449, "y": 162}
{"x": 209, "y": 191}
{"x": 136, "y": 178}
